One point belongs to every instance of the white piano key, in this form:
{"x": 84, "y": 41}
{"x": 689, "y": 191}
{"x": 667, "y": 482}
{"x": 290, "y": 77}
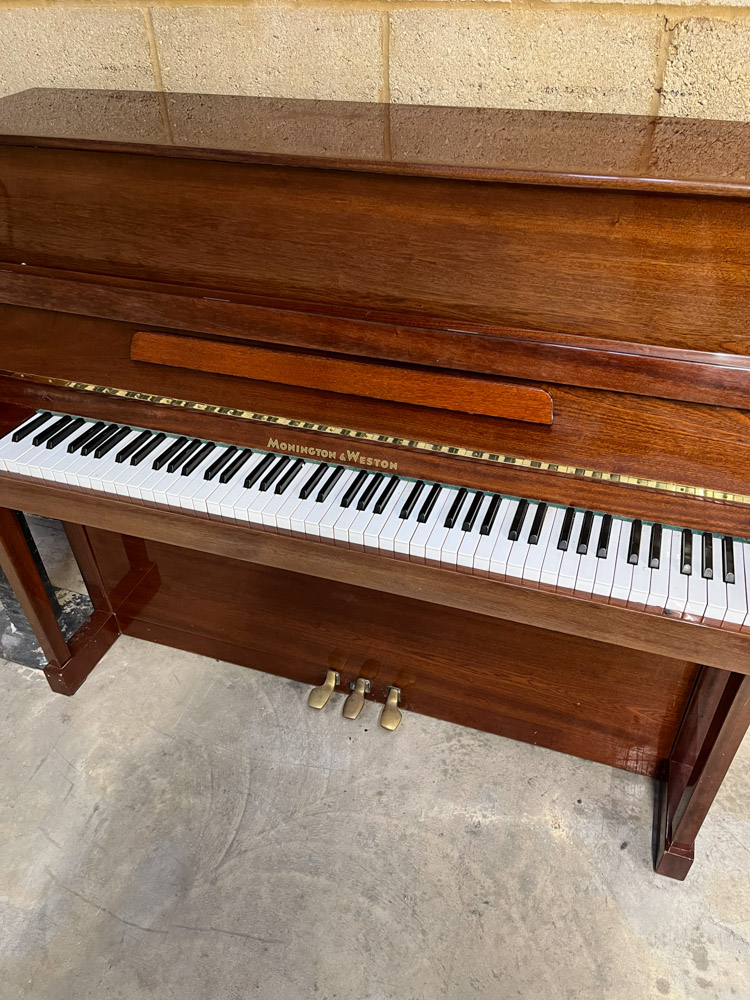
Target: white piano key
{"x": 605, "y": 567}
{"x": 393, "y": 523}
{"x": 271, "y": 511}
{"x": 553, "y": 556}
{"x": 53, "y": 456}
{"x": 438, "y": 514}
{"x": 252, "y": 504}
{"x": 305, "y": 521}
{"x": 371, "y": 533}
{"x": 659, "y": 592}
{"x": 20, "y": 457}
{"x": 587, "y": 565}
{"x": 498, "y": 560}
{"x": 315, "y": 511}
{"x": 623, "y": 578}
{"x": 205, "y": 488}
{"x": 678, "y": 581}
{"x": 409, "y": 525}
{"x": 110, "y": 472}
{"x": 134, "y": 482}
{"x": 737, "y": 592}
{"x": 332, "y": 514}
{"x": 566, "y": 577}
{"x": 467, "y": 550}
{"x": 360, "y": 525}
{"x": 716, "y": 589}
{"x": 640, "y": 585}
{"x": 222, "y": 505}
{"x": 63, "y": 459}
{"x": 8, "y": 446}
{"x": 697, "y": 591}
{"x": 456, "y": 535}
{"x": 86, "y": 471}
{"x": 293, "y": 500}
{"x": 487, "y": 543}
{"x": 532, "y": 568}
{"x": 436, "y": 541}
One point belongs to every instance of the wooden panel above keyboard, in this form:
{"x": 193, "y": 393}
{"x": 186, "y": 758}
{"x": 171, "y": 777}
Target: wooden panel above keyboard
{"x": 542, "y": 241}
{"x": 614, "y": 432}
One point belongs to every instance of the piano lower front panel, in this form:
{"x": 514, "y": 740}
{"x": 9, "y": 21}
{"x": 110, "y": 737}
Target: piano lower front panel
{"x": 579, "y": 696}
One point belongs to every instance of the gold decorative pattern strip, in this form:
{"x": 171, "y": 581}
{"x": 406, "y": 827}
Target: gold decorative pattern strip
{"x": 412, "y": 443}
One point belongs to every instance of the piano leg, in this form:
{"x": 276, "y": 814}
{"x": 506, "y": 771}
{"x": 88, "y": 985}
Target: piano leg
{"x": 716, "y": 720}
{"x": 68, "y": 662}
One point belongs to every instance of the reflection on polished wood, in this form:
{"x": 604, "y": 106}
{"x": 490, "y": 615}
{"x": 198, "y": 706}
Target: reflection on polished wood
{"x": 435, "y": 291}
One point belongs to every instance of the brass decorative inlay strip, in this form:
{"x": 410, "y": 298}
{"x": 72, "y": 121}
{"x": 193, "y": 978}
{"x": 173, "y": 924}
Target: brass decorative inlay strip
{"x": 362, "y": 436}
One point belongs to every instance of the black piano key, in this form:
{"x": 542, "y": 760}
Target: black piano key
{"x": 65, "y": 432}
{"x": 328, "y": 485}
{"x": 538, "y": 523}
{"x": 584, "y": 536}
{"x": 130, "y": 449}
{"x": 411, "y": 500}
{"x": 197, "y": 458}
{"x": 145, "y": 450}
{"x": 516, "y": 525}
{"x": 183, "y": 455}
{"x": 112, "y": 441}
{"x": 255, "y": 473}
{"x": 169, "y": 453}
{"x": 429, "y": 504}
{"x": 101, "y": 437}
{"x": 313, "y": 481}
{"x": 727, "y": 552}
{"x": 353, "y": 489}
{"x": 602, "y": 546}
{"x": 371, "y": 489}
{"x": 273, "y": 473}
{"x": 686, "y": 556}
{"x": 471, "y": 513}
{"x": 634, "y": 543}
{"x": 47, "y": 432}
{"x": 215, "y": 468}
{"x": 286, "y": 480}
{"x": 34, "y": 424}
{"x": 489, "y": 517}
{"x": 455, "y": 508}
{"x": 567, "y": 529}
{"x": 386, "y": 495}
{"x": 654, "y": 546}
{"x": 235, "y": 465}
{"x": 708, "y": 556}
{"x": 83, "y": 439}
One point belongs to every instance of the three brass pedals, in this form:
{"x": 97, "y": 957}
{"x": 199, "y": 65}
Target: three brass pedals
{"x": 390, "y": 716}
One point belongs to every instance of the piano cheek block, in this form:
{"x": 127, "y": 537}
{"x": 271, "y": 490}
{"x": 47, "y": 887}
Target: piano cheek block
{"x": 419, "y": 386}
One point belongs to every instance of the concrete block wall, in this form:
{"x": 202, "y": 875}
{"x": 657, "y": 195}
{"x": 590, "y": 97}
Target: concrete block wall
{"x": 683, "y": 59}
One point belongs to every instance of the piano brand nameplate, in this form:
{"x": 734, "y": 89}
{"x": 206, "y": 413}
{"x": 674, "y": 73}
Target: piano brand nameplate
{"x": 354, "y": 456}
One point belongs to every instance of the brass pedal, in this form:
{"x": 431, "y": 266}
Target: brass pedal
{"x": 318, "y": 697}
{"x": 356, "y": 700}
{"x": 390, "y": 717}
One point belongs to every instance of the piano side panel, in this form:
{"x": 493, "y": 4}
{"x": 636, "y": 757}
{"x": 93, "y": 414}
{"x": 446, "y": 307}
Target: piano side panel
{"x": 578, "y": 696}
{"x": 652, "y": 268}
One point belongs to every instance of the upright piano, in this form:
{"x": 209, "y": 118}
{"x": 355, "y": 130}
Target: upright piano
{"x": 441, "y": 408}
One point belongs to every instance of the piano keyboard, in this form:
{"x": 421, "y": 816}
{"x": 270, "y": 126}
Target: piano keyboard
{"x": 653, "y": 567}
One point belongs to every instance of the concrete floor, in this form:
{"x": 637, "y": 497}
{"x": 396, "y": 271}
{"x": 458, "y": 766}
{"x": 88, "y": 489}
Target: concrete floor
{"x": 187, "y": 828}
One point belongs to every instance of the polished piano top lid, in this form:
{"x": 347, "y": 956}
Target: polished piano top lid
{"x": 484, "y": 144}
